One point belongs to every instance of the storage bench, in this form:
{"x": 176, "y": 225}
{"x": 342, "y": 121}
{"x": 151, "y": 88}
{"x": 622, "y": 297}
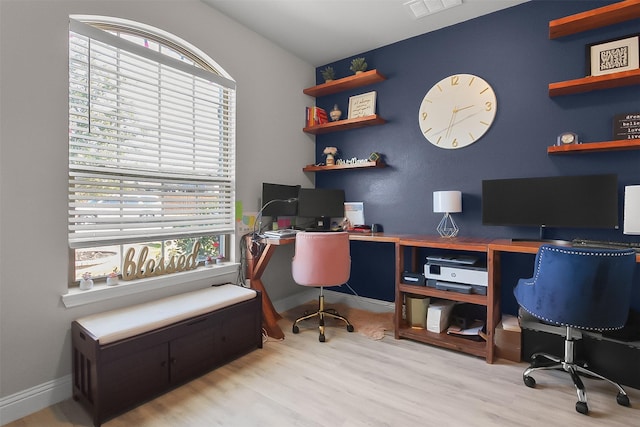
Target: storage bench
{"x": 124, "y": 357}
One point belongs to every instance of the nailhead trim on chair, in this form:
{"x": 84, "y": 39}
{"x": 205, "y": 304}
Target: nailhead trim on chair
{"x": 573, "y": 252}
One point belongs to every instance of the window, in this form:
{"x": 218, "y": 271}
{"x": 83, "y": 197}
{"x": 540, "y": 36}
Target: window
{"x": 151, "y": 145}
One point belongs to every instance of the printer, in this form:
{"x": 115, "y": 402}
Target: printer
{"x": 458, "y": 273}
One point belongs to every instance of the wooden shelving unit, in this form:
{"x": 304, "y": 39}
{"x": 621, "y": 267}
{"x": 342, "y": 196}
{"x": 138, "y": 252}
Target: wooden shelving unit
{"x": 483, "y": 349}
{"x": 345, "y": 124}
{"x": 595, "y": 18}
{"x": 346, "y": 83}
{"x": 591, "y": 83}
{"x": 589, "y": 20}
{"x": 314, "y": 168}
{"x": 592, "y": 147}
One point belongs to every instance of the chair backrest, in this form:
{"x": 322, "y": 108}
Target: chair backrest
{"x": 584, "y": 288}
{"x": 321, "y": 259}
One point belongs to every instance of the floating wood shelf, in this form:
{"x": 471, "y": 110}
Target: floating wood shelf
{"x": 595, "y": 18}
{"x": 315, "y": 168}
{"x": 592, "y": 147}
{"x": 346, "y": 83}
{"x": 345, "y": 124}
{"x": 588, "y": 84}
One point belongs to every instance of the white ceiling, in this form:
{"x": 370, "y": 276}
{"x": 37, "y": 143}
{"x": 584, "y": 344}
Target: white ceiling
{"x": 324, "y": 31}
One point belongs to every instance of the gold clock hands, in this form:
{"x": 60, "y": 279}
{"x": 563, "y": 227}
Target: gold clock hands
{"x": 453, "y": 116}
{"x": 464, "y": 108}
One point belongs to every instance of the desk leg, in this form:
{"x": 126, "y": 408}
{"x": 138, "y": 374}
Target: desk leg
{"x": 255, "y": 269}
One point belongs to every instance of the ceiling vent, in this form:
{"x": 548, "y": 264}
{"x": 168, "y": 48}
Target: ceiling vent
{"x": 421, "y": 8}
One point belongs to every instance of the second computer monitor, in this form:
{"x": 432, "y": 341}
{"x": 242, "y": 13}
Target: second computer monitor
{"x": 281, "y": 197}
{"x": 322, "y": 204}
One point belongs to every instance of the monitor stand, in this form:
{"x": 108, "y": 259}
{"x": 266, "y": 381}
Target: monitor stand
{"x": 542, "y": 239}
{"x": 322, "y": 223}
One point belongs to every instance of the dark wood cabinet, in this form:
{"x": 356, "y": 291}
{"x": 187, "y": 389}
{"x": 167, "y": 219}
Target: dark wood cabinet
{"x": 113, "y": 378}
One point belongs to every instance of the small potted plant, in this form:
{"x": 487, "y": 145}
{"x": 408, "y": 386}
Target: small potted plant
{"x": 328, "y": 74}
{"x": 112, "y": 278}
{"x": 86, "y": 282}
{"x": 331, "y": 153}
{"x": 358, "y": 65}
{"x": 209, "y": 261}
{"x": 219, "y": 259}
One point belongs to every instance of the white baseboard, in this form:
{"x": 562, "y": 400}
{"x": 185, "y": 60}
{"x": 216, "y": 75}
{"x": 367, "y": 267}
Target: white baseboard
{"x": 39, "y": 397}
{"x": 32, "y": 400}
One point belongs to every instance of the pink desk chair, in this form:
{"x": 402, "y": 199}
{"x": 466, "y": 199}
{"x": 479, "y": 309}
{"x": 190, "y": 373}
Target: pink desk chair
{"x": 321, "y": 259}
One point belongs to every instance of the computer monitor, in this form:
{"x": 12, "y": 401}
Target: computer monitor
{"x": 322, "y": 204}
{"x": 276, "y": 199}
{"x": 587, "y": 201}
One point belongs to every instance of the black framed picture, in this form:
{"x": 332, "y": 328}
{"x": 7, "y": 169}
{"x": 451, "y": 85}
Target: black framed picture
{"x": 613, "y": 56}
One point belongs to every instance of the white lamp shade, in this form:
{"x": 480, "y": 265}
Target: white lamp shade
{"x": 632, "y": 209}
{"x": 447, "y": 201}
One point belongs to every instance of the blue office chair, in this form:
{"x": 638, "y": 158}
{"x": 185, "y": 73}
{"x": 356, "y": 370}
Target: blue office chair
{"x": 580, "y": 289}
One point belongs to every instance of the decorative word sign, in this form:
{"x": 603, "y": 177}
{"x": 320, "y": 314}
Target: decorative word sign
{"x": 148, "y": 268}
{"x": 626, "y": 126}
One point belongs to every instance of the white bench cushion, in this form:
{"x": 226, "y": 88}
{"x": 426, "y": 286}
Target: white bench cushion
{"x": 126, "y": 322}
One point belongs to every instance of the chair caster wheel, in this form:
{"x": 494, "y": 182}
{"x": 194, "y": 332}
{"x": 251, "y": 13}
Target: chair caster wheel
{"x": 295, "y": 329}
{"x": 321, "y": 338}
{"x": 582, "y": 408}
{"x": 529, "y": 382}
{"x": 350, "y": 328}
{"x": 622, "y": 399}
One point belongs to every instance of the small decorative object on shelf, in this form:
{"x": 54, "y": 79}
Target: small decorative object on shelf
{"x": 219, "y": 259}
{"x": 567, "y": 138}
{"x": 328, "y": 74}
{"x": 112, "y": 278}
{"x": 374, "y": 157}
{"x": 358, "y": 65}
{"x": 209, "y": 261}
{"x": 331, "y": 153}
{"x": 335, "y": 113}
{"x": 351, "y": 161}
{"x": 86, "y": 282}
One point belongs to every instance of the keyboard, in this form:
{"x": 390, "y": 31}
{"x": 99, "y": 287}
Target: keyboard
{"x": 280, "y": 234}
{"x": 600, "y": 244}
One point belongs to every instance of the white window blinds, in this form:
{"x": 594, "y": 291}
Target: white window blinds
{"x": 151, "y": 144}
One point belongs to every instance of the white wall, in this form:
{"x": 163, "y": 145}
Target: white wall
{"x": 34, "y": 325}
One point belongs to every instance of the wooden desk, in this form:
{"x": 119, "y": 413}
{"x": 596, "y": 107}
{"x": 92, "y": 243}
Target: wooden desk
{"x": 257, "y": 263}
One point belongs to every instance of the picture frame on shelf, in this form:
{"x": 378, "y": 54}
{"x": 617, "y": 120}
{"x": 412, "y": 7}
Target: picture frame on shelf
{"x": 613, "y": 56}
{"x": 362, "y": 105}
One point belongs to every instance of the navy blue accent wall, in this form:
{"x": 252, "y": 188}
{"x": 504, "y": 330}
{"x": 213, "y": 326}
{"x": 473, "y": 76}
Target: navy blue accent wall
{"x": 512, "y": 51}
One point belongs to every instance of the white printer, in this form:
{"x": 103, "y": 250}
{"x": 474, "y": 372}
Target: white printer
{"x": 458, "y": 273}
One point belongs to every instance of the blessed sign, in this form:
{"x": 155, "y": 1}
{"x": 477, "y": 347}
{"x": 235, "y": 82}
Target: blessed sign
{"x": 143, "y": 267}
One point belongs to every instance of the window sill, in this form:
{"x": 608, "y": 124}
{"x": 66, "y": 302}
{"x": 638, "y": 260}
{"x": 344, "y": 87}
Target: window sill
{"x": 75, "y": 297}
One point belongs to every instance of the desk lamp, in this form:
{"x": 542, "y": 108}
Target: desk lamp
{"x": 447, "y": 202}
{"x": 632, "y": 209}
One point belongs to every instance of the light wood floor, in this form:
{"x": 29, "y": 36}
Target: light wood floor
{"x": 351, "y": 380}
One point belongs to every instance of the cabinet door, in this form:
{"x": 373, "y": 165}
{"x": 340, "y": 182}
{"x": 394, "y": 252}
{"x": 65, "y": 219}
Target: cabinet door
{"x": 191, "y": 355}
{"x": 127, "y": 381}
{"x": 239, "y": 332}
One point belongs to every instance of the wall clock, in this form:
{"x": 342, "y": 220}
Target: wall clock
{"x": 457, "y": 111}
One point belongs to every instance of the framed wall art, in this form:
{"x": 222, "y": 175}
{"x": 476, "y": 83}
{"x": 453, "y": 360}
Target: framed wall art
{"x": 613, "y": 56}
{"x": 362, "y": 105}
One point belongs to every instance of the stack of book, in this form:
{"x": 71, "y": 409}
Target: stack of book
{"x": 316, "y": 116}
